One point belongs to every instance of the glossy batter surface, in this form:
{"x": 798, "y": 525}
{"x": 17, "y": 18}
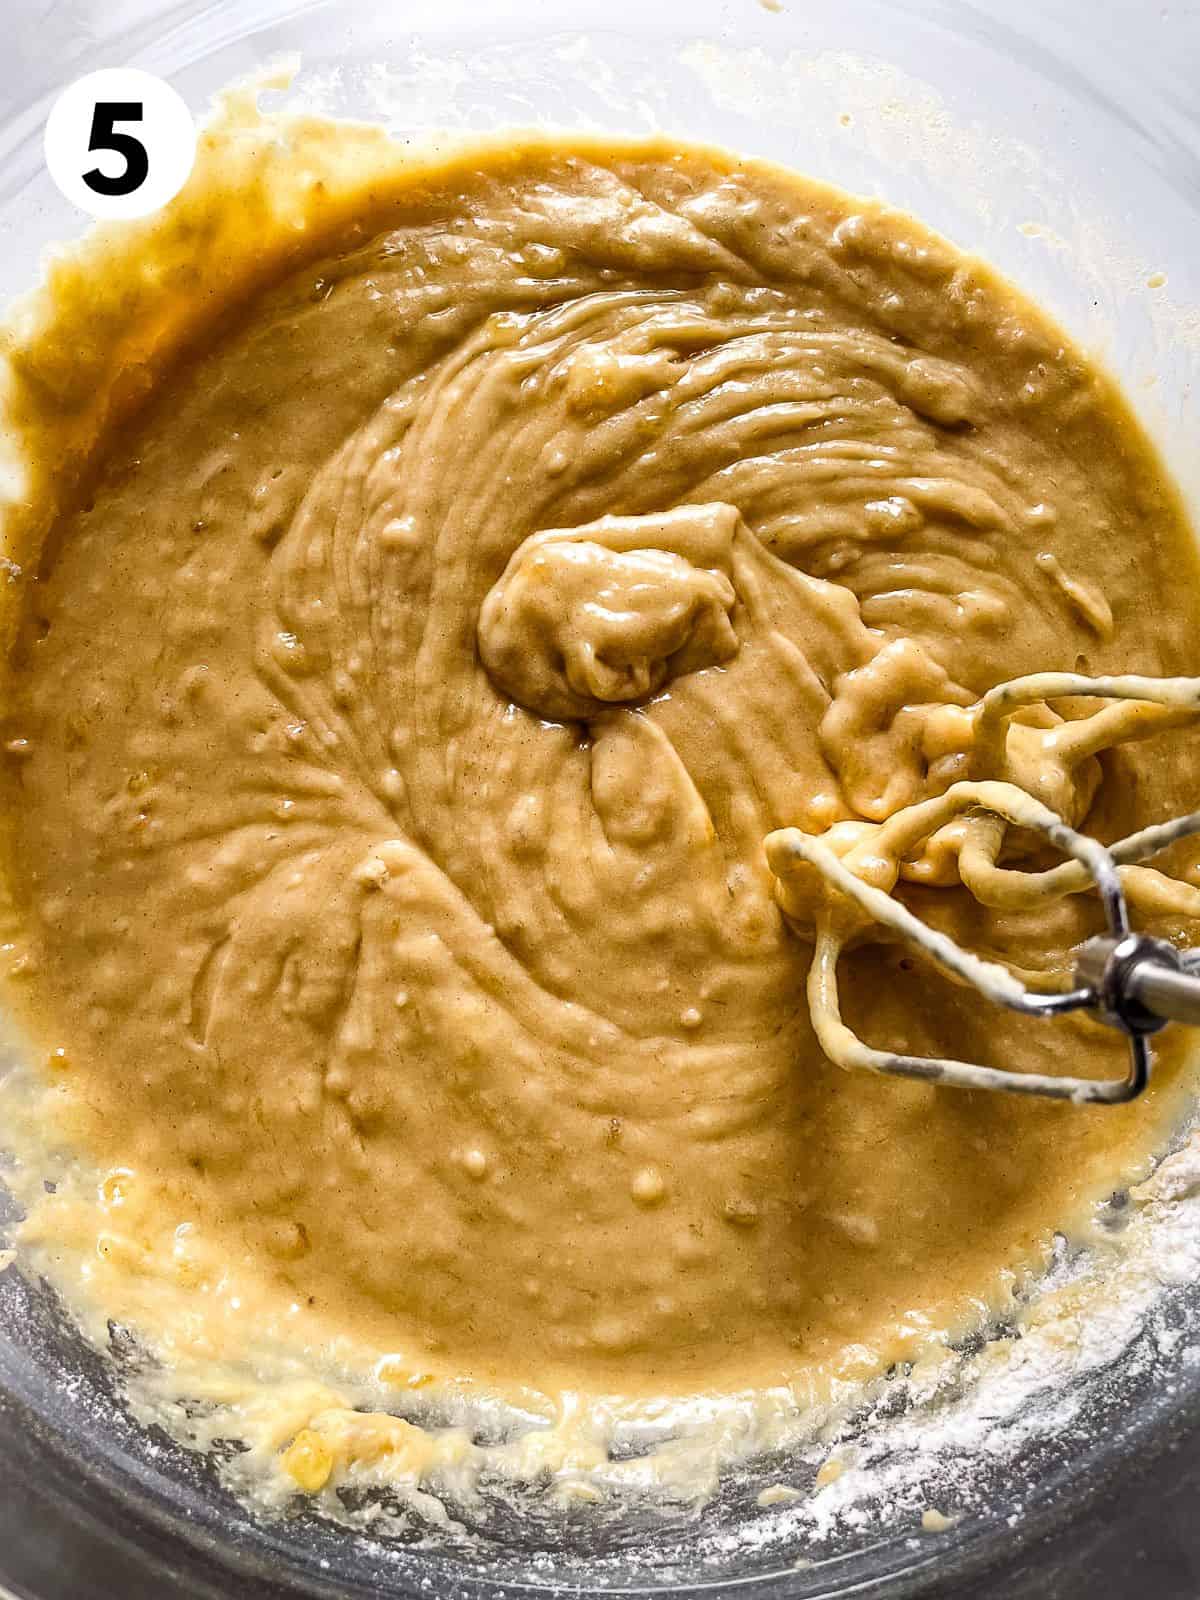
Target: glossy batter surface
{"x": 394, "y": 732}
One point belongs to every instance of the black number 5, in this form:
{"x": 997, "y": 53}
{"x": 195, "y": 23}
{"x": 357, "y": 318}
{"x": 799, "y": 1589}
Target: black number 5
{"x": 105, "y": 137}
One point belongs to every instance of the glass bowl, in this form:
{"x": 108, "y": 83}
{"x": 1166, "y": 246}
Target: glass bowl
{"x": 1058, "y": 138}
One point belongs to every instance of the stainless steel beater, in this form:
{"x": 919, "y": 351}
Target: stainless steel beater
{"x": 1133, "y": 982}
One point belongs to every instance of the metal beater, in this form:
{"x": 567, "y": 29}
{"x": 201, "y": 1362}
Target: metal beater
{"x": 1129, "y": 980}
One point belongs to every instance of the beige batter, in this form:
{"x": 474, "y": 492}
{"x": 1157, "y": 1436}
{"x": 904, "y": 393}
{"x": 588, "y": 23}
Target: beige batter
{"x": 395, "y": 724}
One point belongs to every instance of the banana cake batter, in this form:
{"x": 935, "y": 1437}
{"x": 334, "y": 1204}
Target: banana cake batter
{"x": 393, "y": 723}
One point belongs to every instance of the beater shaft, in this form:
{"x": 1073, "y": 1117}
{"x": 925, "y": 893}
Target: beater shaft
{"x": 1140, "y": 983}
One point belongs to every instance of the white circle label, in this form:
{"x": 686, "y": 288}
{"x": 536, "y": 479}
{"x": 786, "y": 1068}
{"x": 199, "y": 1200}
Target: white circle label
{"x": 120, "y": 143}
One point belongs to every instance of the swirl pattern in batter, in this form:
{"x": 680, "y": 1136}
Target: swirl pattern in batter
{"x": 396, "y": 730}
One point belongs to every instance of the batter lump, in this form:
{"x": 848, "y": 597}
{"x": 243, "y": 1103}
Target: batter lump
{"x": 393, "y": 730}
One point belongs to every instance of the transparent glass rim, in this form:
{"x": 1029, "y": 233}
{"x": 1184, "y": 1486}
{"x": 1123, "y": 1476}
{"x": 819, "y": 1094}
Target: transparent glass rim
{"x": 96, "y": 1455}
